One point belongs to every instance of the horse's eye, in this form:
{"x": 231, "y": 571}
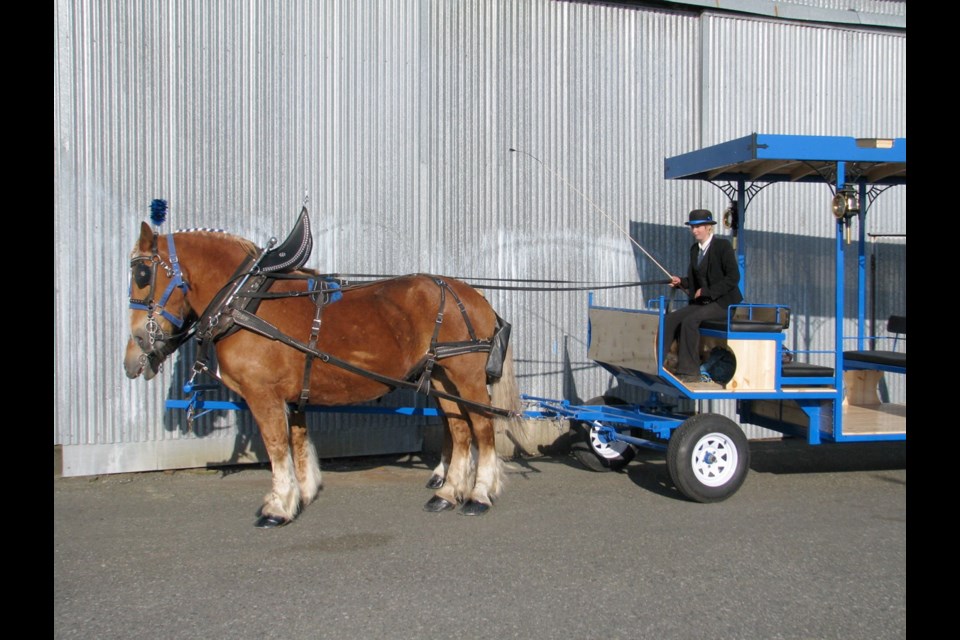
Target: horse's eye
{"x": 141, "y": 275}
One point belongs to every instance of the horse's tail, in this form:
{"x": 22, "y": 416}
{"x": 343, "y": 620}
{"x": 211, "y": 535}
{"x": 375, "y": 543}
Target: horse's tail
{"x": 516, "y": 436}
{"x": 504, "y": 392}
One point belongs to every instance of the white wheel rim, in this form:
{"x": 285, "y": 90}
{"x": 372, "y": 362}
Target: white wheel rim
{"x": 608, "y": 450}
{"x": 714, "y": 459}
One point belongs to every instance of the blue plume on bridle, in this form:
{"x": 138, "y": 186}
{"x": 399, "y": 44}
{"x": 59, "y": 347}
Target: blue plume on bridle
{"x": 158, "y": 212}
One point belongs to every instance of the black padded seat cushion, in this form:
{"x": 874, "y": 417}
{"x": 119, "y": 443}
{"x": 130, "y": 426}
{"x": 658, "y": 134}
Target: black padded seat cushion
{"x": 890, "y": 358}
{"x": 758, "y": 326}
{"x": 804, "y": 370}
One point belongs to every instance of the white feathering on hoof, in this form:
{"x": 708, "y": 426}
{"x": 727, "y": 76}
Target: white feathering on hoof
{"x": 490, "y": 483}
{"x": 284, "y": 500}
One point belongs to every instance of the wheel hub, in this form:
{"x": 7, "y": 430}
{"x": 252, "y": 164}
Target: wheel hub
{"x": 714, "y": 459}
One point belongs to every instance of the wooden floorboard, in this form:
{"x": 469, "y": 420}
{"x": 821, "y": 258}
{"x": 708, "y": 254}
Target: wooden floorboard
{"x": 877, "y": 419}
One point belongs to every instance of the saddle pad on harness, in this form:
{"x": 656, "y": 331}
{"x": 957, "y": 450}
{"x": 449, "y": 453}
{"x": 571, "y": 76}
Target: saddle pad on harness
{"x": 294, "y": 252}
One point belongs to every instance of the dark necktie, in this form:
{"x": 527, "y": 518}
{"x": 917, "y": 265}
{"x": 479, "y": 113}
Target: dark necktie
{"x": 700, "y": 257}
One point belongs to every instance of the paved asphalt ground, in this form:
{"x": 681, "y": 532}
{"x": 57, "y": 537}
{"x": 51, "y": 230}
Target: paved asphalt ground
{"x": 813, "y": 546}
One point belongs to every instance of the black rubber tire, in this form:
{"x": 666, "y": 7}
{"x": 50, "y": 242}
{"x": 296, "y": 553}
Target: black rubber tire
{"x": 708, "y": 457}
{"x": 584, "y": 447}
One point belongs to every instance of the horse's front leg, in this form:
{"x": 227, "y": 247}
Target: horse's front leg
{"x": 282, "y": 505}
{"x": 305, "y": 461}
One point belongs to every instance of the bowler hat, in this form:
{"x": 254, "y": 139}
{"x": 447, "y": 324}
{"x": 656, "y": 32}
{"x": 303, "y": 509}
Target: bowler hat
{"x": 700, "y": 216}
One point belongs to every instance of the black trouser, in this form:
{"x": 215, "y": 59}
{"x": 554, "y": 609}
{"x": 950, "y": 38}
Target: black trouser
{"x": 686, "y": 322}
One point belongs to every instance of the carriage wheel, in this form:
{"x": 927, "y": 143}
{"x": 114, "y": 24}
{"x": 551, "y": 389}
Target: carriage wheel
{"x": 708, "y": 457}
{"x": 592, "y": 452}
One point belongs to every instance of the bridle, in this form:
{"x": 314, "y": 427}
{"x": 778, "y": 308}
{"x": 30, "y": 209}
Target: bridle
{"x": 144, "y": 274}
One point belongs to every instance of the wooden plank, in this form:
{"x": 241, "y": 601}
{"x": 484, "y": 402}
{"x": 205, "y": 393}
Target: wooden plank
{"x": 756, "y": 362}
{"x": 861, "y": 387}
{"x": 880, "y": 419}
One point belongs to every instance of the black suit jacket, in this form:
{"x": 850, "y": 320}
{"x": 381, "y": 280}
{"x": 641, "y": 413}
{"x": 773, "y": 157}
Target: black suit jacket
{"x": 719, "y": 274}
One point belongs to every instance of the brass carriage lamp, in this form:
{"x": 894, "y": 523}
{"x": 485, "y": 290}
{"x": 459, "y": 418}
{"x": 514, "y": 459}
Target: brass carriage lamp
{"x": 731, "y": 219}
{"x": 845, "y": 206}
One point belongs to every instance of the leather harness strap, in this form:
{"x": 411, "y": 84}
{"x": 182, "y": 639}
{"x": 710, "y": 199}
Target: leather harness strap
{"x": 236, "y": 311}
{"x": 320, "y": 301}
{"x": 262, "y": 327}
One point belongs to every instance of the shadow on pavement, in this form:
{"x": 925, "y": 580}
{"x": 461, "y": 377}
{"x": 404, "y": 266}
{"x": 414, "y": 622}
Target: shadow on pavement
{"x": 648, "y": 470}
{"x": 794, "y": 455}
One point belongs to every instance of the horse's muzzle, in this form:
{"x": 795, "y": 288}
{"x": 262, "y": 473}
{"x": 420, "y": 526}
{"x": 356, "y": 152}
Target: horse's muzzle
{"x": 136, "y": 362}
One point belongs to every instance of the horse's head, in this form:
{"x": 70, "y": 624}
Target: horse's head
{"x": 160, "y": 315}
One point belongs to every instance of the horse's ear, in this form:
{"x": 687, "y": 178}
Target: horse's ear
{"x": 146, "y": 238}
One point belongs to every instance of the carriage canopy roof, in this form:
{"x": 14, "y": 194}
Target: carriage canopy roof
{"x": 784, "y": 158}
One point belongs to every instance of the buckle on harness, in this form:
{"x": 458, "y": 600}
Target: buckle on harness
{"x": 423, "y": 384}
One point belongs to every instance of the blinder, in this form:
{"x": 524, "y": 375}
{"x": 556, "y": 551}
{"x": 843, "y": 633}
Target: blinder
{"x": 142, "y": 274}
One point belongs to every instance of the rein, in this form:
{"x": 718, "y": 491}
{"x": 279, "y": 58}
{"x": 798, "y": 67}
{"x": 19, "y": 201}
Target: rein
{"x": 346, "y": 285}
{"x": 235, "y": 307}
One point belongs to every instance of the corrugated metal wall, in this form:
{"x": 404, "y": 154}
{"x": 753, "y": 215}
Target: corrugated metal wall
{"x": 396, "y": 120}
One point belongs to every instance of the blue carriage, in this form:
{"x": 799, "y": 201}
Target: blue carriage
{"x": 775, "y": 388}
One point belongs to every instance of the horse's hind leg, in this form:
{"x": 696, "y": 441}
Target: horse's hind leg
{"x": 440, "y": 472}
{"x": 305, "y": 461}
{"x": 477, "y": 483}
{"x": 488, "y": 482}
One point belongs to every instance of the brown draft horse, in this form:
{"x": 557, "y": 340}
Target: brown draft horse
{"x": 376, "y": 334}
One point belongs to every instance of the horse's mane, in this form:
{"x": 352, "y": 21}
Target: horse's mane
{"x": 247, "y": 245}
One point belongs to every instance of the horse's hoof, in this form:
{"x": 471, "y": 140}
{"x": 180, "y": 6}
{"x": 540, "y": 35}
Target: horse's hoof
{"x": 271, "y": 522}
{"x": 474, "y": 508}
{"x": 435, "y": 481}
{"x": 436, "y": 504}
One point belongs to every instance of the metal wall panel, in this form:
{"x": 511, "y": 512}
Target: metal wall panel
{"x": 396, "y": 119}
